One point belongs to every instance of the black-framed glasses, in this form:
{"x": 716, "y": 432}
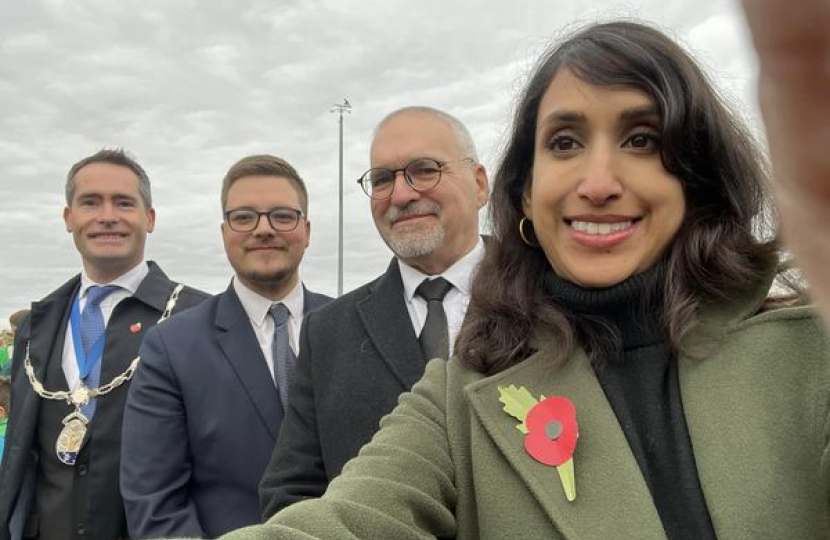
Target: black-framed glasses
{"x": 422, "y": 174}
{"x": 247, "y": 219}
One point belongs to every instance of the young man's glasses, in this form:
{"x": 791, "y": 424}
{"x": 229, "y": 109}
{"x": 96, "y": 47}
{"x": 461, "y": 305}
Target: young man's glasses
{"x": 247, "y": 219}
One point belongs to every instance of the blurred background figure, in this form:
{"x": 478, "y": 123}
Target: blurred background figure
{"x": 5, "y": 388}
{"x": 7, "y": 341}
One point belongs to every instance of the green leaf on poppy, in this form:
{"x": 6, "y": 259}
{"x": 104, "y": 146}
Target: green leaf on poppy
{"x": 517, "y": 402}
{"x": 566, "y": 475}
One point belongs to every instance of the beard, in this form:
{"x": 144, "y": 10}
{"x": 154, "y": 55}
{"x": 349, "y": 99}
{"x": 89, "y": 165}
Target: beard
{"x": 268, "y": 282}
{"x": 409, "y": 242}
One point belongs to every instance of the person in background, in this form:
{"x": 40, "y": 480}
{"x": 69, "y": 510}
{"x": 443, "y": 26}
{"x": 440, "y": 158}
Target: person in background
{"x": 206, "y": 406}
{"x": 7, "y": 341}
{"x": 360, "y": 352}
{"x": 74, "y": 357}
{"x": 5, "y": 391}
{"x": 6, "y": 351}
{"x": 16, "y": 318}
{"x": 619, "y": 373}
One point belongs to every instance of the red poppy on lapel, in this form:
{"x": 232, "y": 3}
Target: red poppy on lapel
{"x": 135, "y": 328}
{"x": 550, "y": 430}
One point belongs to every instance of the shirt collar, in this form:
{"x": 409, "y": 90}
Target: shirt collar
{"x": 257, "y": 306}
{"x": 129, "y": 281}
{"x": 460, "y": 274}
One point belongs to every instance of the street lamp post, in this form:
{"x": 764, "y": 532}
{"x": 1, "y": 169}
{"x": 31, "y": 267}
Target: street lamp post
{"x": 340, "y": 109}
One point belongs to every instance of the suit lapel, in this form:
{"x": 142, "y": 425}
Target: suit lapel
{"x": 155, "y": 288}
{"x": 387, "y": 323}
{"x": 48, "y": 328}
{"x": 241, "y": 348}
{"x": 713, "y": 385}
{"x": 610, "y": 489}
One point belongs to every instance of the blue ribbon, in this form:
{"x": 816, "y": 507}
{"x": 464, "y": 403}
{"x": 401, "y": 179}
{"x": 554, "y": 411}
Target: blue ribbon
{"x": 85, "y": 362}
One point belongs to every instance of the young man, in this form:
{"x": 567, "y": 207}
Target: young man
{"x": 60, "y": 474}
{"x": 361, "y": 351}
{"x": 206, "y": 407}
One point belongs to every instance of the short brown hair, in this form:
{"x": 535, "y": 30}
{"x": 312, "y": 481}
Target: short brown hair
{"x": 265, "y": 165}
{"x": 114, "y": 156}
{"x": 17, "y": 317}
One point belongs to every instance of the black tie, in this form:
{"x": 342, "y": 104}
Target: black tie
{"x": 434, "y": 340}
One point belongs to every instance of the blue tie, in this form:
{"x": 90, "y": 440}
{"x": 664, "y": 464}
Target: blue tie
{"x": 92, "y": 328}
{"x": 284, "y": 359}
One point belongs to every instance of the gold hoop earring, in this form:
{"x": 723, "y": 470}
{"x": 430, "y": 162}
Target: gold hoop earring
{"x": 522, "y": 232}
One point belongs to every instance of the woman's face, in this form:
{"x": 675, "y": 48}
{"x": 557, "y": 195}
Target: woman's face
{"x": 602, "y": 205}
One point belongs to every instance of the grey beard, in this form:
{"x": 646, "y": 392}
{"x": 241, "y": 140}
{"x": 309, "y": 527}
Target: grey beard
{"x": 410, "y": 245}
{"x": 416, "y": 244}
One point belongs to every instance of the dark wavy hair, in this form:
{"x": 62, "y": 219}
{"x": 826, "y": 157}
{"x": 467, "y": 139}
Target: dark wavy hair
{"x": 716, "y": 251}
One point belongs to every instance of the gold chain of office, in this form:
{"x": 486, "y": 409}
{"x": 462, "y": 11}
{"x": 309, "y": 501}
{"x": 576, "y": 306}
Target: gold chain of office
{"x": 81, "y": 395}
{"x": 75, "y": 423}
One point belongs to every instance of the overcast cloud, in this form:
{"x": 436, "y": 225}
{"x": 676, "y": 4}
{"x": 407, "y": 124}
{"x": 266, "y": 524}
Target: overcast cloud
{"x": 190, "y": 86}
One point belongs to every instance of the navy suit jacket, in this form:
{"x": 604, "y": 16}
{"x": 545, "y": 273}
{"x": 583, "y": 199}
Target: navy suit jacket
{"x": 200, "y": 423}
{"x": 43, "y": 332}
{"x": 357, "y": 355}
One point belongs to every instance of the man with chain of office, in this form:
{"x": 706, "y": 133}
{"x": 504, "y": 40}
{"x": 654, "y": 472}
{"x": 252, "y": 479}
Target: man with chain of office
{"x": 74, "y": 357}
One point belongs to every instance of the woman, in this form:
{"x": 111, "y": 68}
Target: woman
{"x": 624, "y": 282}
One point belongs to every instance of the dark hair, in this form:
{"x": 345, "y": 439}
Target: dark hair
{"x": 264, "y": 165}
{"x": 5, "y": 391}
{"x": 17, "y": 317}
{"x": 721, "y": 169}
{"x": 115, "y": 156}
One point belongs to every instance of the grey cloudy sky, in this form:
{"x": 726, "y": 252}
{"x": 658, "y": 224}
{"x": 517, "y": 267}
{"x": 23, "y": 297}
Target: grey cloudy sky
{"x": 190, "y": 86}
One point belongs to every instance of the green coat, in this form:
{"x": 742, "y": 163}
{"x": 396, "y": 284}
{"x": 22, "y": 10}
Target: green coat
{"x": 449, "y": 462}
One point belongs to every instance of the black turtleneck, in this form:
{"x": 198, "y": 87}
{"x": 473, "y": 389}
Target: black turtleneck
{"x": 639, "y": 375}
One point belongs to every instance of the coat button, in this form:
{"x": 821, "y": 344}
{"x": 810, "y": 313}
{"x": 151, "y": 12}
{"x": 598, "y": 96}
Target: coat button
{"x": 80, "y": 528}
{"x": 82, "y": 470}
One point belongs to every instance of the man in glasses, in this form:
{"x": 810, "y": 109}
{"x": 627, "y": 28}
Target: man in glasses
{"x": 207, "y": 404}
{"x": 425, "y": 188}
{"x": 74, "y": 357}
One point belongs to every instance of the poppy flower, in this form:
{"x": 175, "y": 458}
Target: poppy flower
{"x": 552, "y": 431}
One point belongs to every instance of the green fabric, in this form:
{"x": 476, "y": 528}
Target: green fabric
{"x": 3, "y": 423}
{"x": 5, "y": 360}
{"x": 449, "y": 463}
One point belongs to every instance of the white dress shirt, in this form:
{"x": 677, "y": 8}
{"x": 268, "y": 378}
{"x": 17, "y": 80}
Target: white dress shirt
{"x": 128, "y": 283}
{"x": 257, "y": 306}
{"x": 455, "y": 302}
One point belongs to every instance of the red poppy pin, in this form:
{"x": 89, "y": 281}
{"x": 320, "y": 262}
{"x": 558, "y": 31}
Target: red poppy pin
{"x": 135, "y": 328}
{"x": 550, "y": 430}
